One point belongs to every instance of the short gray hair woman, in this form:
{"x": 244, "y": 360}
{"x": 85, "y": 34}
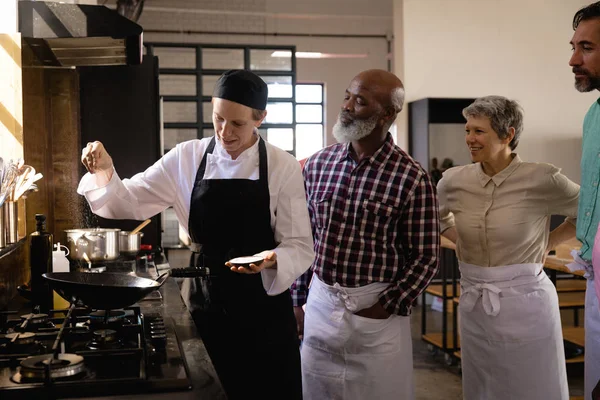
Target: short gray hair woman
{"x": 497, "y": 211}
{"x": 503, "y": 114}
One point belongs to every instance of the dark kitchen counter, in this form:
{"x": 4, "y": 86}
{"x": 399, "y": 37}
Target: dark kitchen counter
{"x": 205, "y": 384}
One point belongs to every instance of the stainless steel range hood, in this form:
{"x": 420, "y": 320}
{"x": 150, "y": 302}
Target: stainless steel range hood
{"x": 73, "y": 35}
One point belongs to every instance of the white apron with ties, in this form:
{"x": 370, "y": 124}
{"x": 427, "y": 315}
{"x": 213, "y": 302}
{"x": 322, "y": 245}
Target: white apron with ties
{"x": 592, "y": 317}
{"x": 349, "y": 357}
{"x": 510, "y": 334}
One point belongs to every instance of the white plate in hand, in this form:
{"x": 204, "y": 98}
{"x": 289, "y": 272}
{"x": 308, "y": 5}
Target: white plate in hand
{"x": 246, "y": 261}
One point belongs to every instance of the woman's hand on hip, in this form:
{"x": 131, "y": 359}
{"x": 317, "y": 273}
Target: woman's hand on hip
{"x": 269, "y": 261}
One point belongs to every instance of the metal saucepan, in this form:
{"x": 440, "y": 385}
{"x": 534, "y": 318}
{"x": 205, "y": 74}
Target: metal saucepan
{"x": 129, "y": 243}
{"x": 99, "y": 244}
{"x": 103, "y": 291}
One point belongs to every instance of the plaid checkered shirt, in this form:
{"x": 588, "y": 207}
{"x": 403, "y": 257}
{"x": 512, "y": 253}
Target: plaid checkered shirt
{"x": 375, "y": 221}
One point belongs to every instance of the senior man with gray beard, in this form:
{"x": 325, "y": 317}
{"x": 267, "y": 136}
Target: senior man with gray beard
{"x": 374, "y": 217}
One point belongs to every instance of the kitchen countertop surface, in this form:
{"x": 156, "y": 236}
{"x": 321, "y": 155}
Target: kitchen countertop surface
{"x": 204, "y": 379}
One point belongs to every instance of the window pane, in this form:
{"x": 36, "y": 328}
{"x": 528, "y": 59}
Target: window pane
{"x": 278, "y": 90}
{"x": 207, "y": 110}
{"x": 174, "y": 136}
{"x": 279, "y": 86}
{"x": 309, "y": 93}
{"x": 176, "y": 57}
{"x": 309, "y": 140}
{"x": 222, "y": 58}
{"x": 306, "y": 113}
{"x": 282, "y": 138}
{"x": 208, "y": 84}
{"x": 177, "y": 85}
{"x": 179, "y": 111}
{"x": 279, "y": 113}
{"x": 273, "y": 60}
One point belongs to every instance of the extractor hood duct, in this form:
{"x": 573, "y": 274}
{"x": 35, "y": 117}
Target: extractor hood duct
{"x": 72, "y": 35}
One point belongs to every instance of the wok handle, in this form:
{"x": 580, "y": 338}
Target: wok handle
{"x": 163, "y": 277}
{"x": 189, "y": 272}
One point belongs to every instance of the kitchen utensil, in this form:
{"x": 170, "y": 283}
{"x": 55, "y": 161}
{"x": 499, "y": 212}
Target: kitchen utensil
{"x": 9, "y": 174}
{"x": 2, "y": 228}
{"x": 26, "y": 177}
{"x": 22, "y": 175}
{"x": 99, "y": 244}
{"x": 246, "y": 261}
{"x": 103, "y": 291}
{"x": 32, "y": 188}
{"x": 87, "y": 259}
{"x": 139, "y": 227}
{"x": 11, "y": 221}
{"x": 130, "y": 244}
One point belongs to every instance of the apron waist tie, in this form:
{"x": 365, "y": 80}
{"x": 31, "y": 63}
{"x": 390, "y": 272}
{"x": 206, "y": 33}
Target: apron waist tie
{"x": 350, "y": 299}
{"x": 579, "y": 264}
{"x": 342, "y": 294}
{"x": 489, "y": 293}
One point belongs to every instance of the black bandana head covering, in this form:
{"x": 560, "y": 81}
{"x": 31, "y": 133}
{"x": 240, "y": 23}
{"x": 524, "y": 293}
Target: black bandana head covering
{"x": 243, "y": 87}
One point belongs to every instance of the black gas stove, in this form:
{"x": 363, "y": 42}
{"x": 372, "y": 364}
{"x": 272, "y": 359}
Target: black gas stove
{"x": 97, "y": 353}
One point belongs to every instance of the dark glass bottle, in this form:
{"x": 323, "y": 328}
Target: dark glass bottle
{"x": 40, "y": 257}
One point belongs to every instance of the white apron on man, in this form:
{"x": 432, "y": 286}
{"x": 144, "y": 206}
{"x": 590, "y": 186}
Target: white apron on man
{"x": 349, "y": 357}
{"x": 510, "y": 333}
{"x": 592, "y": 317}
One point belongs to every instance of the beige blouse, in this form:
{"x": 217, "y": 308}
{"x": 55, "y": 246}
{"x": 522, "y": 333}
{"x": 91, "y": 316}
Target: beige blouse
{"x": 504, "y": 219}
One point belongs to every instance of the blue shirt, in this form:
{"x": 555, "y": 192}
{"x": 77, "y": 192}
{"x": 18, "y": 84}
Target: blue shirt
{"x": 588, "y": 215}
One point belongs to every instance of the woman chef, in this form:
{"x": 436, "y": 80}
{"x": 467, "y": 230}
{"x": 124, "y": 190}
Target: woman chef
{"x": 238, "y": 196}
{"x": 497, "y": 211}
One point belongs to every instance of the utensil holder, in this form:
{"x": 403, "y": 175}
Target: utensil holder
{"x": 3, "y": 228}
{"x": 11, "y": 221}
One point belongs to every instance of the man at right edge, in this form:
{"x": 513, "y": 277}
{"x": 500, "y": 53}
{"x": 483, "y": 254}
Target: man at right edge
{"x": 585, "y": 63}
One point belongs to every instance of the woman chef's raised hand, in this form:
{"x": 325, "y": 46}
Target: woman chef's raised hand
{"x": 269, "y": 261}
{"x": 96, "y": 159}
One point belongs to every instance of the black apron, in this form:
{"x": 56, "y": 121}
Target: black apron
{"x": 250, "y": 337}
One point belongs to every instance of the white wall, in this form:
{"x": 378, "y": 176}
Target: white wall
{"x": 8, "y": 16}
{"x": 515, "y": 48}
{"x": 448, "y": 141}
{"x": 11, "y": 97}
{"x": 333, "y": 17}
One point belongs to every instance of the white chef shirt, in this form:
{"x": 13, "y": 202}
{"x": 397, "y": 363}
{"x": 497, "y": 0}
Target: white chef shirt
{"x": 169, "y": 183}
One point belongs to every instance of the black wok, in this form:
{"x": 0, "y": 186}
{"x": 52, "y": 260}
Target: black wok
{"x": 103, "y": 291}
